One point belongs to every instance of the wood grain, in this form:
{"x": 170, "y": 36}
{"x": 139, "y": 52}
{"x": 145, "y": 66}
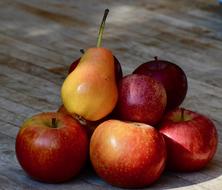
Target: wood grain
{"x": 40, "y": 39}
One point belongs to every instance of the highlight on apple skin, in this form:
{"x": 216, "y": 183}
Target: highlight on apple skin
{"x": 52, "y": 147}
{"x": 127, "y": 154}
{"x": 141, "y": 99}
{"x": 191, "y": 140}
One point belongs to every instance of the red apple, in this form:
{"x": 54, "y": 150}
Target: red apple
{"x": 191, "y": 140}
{"x": 172, "y": 78}
{"x": 141, "y": 99}
{"x": 52, "y": 147}
{"x": 118, "y": 68}
{"x": 127, "y": 154}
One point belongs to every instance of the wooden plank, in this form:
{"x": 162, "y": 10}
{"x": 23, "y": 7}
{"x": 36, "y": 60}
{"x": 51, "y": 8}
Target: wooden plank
{"x": 47, "y": 14}
{"x": 12, "y": 118}
{"x": 205, "y": 99}
{"x": 8, "y": 129}
{"x": 53, "y": 75}
{"x": 26, "y": 99}
{"x": 35, "y": 50}
{"x": 163, "y": 16}
{"x": 16, "y": 107}
{"x": 29, "y": 90}
{"x": 36, "y": 82}
{"x": 9, "y": 47}
{"x": 198, "y": 67}
{"x": 43, "y": 30}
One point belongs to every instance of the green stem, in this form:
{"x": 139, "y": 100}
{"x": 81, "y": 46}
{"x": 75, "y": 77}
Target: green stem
{"x": 101, "y": 28}
{"x": 54, "y": 125}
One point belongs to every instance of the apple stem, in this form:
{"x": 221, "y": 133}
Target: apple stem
{"x": 82, "y": 51}
{"x": 54, "y": 125}
{"x": 182, "y": 114}
{"x": 157, "y": 62}
{"x": 101, "y": 28}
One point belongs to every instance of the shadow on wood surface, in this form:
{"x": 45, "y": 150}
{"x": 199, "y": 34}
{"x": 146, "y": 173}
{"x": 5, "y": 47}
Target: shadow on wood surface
{"x": 168, "y": 180}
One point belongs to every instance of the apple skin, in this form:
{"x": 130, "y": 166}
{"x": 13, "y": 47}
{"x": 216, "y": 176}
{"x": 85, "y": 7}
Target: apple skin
{"x": 127, "y": 154}
{"x": 118, "y": 68}
{"x": 50, "y": 154}
{"x": 171, "y": 76}
{"x": 191, "y": 140}
{"x": 141, "y": 99}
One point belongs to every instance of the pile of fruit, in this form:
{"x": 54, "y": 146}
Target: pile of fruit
{"x": 130, "y": 128}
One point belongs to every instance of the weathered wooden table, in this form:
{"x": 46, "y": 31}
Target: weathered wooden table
{"x": 39, "y": 40}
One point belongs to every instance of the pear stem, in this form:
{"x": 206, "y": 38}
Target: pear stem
{"x": 101, "y": 28}
{"x": 54, "y": 125}
{"x": 82, "y": 51}
{"x": 156, "y": 58}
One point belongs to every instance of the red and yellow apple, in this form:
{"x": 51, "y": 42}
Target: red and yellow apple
{"x": 127, "y": 154}
{"x": 52, "y": 147}
{"x": 191, "y": 140}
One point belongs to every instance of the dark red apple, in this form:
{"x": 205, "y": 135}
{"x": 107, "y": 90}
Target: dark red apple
{"x": 127, "y": 154}
{"x": 141, "y": 99}
{"x": 172, "y": 78}
{"x": 191, "y": 140}
{"x": 52, "y": 147}
{"x": 74, "y": 65}
{"x": 118, "y": 68}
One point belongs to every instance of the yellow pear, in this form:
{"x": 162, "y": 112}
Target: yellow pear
{"x": 90, "y": 89}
